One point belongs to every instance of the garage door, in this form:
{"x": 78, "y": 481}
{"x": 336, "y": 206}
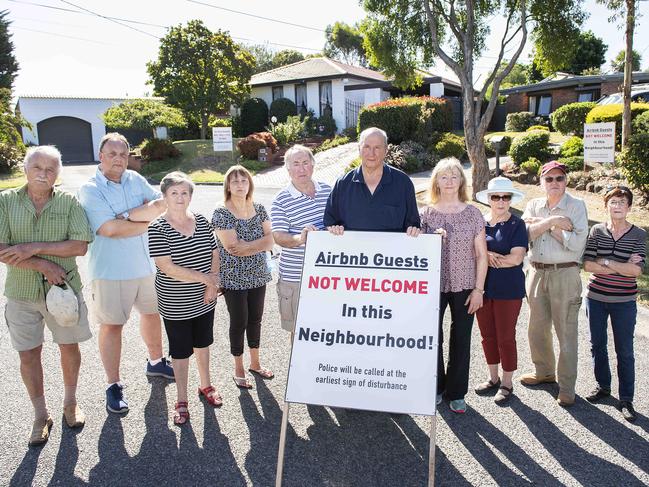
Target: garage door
{"x": 72, "y": 136}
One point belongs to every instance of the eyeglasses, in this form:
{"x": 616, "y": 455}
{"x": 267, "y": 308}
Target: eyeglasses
{"x": 500, "y": 197}
{"x": 617, "y": 202}
{"x": 558, "y": 179}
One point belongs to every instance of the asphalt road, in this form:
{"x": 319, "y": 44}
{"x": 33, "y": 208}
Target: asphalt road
{"x": 531, "y": 441}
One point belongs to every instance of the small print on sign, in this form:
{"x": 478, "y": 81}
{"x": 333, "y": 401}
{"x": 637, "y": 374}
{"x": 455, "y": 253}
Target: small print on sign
{"x": 367, "y": 325}
{"x": 222, "y": 139}
{"x": 599, "y": 142}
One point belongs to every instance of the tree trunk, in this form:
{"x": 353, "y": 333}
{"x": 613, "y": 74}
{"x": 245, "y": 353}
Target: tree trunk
{"x": 475, "y": 147}
{"x": 204, "y": 127}
{"x": 628, "y": 71}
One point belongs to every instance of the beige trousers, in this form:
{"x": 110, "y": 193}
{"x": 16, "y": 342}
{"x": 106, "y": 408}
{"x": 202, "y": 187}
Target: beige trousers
{"x": 554, "y": 296}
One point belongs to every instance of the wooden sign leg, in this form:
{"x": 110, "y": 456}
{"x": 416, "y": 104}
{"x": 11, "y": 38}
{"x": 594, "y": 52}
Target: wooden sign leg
{"x": 431, "y": 452}
{"x": 282, "y": 445}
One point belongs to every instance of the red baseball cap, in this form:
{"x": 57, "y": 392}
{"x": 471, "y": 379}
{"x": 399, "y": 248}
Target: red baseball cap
{"x": 549, "y": 166}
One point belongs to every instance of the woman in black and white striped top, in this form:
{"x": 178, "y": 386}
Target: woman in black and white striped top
{"x": 615, "y": 254}
{"x": 187, "y": 282}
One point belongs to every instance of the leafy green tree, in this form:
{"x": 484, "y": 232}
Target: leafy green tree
{"x": 287, "y": 56}
{"x": 587, "y": 51}
{"x": 401, "y": 36}
{"x": 617, "y": 63}
{"x": 263, "y": 55}
{"x": 516, "y": 77}
{"x": 8, "y": 63}
{"x": 144, "y": 114}
{"x": 345, "y": 43}
{"x": 200, "y": 71}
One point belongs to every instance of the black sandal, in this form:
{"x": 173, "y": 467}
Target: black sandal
{"x": 503, "y": 398}
{"x": 485, "y": 388}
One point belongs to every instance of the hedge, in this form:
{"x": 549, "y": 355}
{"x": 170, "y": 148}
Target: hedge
{"x": 532, "y": 144}
{"x": 519, "y": 121}
{"x": 408, "y": 118}
{"x": 641, "y": 123}
{"x": 570, "y": 118}
{"x": 282, "y": 108}
{"x": 574, "y": 146}
{"x": 613, "y": 113}
{"x": 635, "y": 162}
{"x": 573, "y": 163}
{"x": 254, "y": 116}
{"x": 158, "y": 149}
{"x": 451, "y": 145}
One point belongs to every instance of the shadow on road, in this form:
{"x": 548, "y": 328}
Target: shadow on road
{"x": 26, "y": 471}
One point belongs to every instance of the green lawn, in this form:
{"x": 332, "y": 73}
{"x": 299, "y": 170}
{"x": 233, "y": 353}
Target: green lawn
{"x": 199, "y": 162}
{"x": 13, "y": 179}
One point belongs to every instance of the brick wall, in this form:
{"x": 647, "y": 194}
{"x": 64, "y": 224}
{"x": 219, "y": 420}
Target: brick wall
{"x": 611, "y": 87}
{"x": 517, "y": 102}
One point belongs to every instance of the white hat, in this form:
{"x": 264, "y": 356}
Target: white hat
{"x": 499, "y": 185}
{"x": 62, "y": 303}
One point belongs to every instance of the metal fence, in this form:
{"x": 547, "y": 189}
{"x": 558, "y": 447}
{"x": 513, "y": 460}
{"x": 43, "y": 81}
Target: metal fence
{"x": 352, "y": 108}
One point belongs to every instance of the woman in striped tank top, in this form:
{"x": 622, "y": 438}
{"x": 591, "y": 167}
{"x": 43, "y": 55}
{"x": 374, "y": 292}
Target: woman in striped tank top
{"x": 615, "y": 255}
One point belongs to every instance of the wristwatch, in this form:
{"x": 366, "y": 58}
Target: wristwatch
{"x": 606, "y": 262}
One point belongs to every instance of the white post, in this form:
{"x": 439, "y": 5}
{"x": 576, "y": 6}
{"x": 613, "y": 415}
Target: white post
{"x": 431, "y": 452}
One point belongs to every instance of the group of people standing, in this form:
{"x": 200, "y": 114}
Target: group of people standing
{"x": 149, "y": 251}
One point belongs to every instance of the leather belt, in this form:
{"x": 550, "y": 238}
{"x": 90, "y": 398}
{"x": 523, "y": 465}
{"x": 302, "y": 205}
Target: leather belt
{"x": 562, "y": 265}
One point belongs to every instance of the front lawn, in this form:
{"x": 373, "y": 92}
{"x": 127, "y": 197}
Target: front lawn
{"x": 13, "y": 179}
{"x": 199, "y": 161}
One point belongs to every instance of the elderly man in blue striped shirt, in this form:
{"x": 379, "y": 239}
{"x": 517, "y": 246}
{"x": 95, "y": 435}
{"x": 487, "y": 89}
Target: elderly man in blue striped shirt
{"x": 296, "y": 210}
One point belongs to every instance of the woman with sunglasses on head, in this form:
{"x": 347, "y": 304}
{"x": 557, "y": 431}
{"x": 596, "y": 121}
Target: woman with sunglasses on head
{"x": 615, "y": 254}
{"x": 504, "y": 286}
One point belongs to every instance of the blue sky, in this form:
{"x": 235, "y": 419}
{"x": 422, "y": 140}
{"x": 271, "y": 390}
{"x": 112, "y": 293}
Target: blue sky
{"x": 66, "y": 53}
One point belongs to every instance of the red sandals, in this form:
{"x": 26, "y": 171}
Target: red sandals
{"x": 182, "y": 413}
{"x": 210, "y": 395}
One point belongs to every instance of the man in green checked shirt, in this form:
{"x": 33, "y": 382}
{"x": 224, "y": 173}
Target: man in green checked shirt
{"x": 42, "y": 230}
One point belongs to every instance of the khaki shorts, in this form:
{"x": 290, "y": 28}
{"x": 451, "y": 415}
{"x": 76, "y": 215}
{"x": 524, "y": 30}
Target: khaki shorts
{"x": 288, "y": 295}
{"x": 26, "y": 321}
{"x": 112, "y": 301}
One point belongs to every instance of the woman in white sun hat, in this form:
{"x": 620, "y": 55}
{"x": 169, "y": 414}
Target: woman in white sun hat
{"x": 504, "y": 287}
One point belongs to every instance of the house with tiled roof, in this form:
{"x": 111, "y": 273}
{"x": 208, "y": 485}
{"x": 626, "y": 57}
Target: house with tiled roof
{"x": 71, "y": 123}
{"x": 327, "y": 86}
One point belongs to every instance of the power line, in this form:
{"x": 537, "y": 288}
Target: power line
{"x": 256, "y": 16}
{"x": 111, "y": 19}
{"x": 63, "y": 35}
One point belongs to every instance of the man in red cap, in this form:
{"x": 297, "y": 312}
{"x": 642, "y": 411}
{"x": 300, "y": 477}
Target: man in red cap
{"x": 558, "y": 228}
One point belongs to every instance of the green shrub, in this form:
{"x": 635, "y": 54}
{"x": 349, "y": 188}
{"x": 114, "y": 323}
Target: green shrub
{"x": 398, "y": 158}
{"x": 533, "y": 144}
{"x": 254, "y": 116}
{"x": 574, "y": 146}
{"x": 519, "y": 121}
{"x": 414, "y": 149}
{"x": 236, "y": 126}
{"x": 537, "y": 127}
{"x": 353, "y": 165}
{"x": 249, "y": 146}
{"x": 408, "y": 118}
{"x": 635, "y": 162}
{"x": 531, "y": 166}
{"x": 10, "y": 156}
{"x": 253, "y": 165}
{"x": 282, "y": 108}
{"x": 351, "y": 133}
{"x": 574, "y": 163}
{"x": 451, "y": 145}
{"x": 641, "y": 123}
{"x": 613, "y": 113}
{"x": 504, "y": 145}
{"x": 311, "y": 122}
{"x": 570, "y": 118}
{"x": 158, "y": 149}
{"x": 326, "y": 126}
{"x": 331, "y": 143}
{"x": 220, "y": 122}
{"x": 289, "y": 131}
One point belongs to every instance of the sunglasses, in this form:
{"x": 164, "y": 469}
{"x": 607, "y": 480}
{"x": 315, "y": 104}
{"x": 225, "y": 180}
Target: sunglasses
{"x": 558, "y": 179}
{"x": 500, "y": 197}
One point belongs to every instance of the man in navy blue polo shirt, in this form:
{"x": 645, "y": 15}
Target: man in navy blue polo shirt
{"x": 375, "y": 196}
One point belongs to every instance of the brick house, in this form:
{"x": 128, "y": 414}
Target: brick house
{"x": 544, "y": 97}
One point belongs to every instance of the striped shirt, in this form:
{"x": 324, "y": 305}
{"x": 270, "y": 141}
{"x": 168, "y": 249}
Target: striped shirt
{"x": 614, "y": 288}
{"x": 61, "y": 219}
{"x": 178, "y": 300}
{"x": 291, "y": 212}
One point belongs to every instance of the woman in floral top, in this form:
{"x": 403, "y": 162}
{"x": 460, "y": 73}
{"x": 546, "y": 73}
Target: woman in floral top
{"x": 243, "y": 234}
{"x": 464, "y": 268}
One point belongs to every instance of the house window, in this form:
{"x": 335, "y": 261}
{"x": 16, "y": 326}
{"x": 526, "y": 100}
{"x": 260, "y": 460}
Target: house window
{"x": 325, "y": 98}
{"x": 545, "y": 105}
{"x": 278, "y": 92}
{"x": 588, "y": 96}
{"x": 531, "y": 105}
{"x": 300, "y": 99}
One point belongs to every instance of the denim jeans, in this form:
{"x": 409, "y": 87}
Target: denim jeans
{"x": 623, "y": 318}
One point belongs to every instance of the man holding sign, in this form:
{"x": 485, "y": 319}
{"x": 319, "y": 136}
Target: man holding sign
{"x": 375, "y": 196}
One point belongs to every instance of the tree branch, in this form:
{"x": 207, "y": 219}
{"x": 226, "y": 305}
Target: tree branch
{"x": 432, "y": 25}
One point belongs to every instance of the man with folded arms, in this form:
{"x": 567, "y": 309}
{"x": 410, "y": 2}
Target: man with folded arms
{"x": 42, "y": 230}
{"x": 558, "y": 229}
{"x": 120, "y": 204}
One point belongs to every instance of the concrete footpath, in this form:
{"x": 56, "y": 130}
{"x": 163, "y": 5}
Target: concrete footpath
{"x": 531, "y": 441}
